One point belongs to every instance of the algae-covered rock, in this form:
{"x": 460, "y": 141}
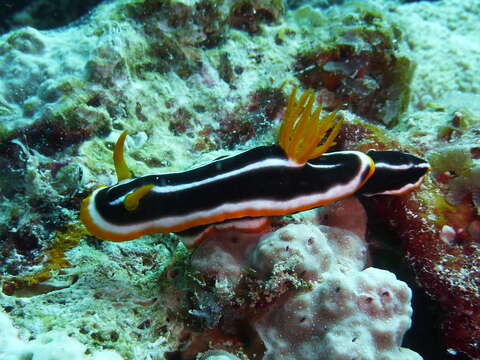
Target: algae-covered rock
{"x": 359, "y": 64}
{"x": 193, "y": 80}
{"x": 248, "y": 15}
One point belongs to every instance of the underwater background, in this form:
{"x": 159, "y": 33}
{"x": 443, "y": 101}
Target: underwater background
{"x": 194, "y": 80}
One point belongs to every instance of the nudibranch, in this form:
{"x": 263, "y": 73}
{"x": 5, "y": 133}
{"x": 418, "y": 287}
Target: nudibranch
{"x": 295, "y": 175}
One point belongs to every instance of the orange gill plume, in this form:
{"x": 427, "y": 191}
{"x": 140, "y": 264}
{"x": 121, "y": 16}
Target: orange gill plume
{"x": 303, "y": 134}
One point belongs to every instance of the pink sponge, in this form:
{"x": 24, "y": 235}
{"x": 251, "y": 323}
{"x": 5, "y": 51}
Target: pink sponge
{"x": 350, "y": 313}
{"x": 359, "y": 315}
{"x": 307, "y": 292}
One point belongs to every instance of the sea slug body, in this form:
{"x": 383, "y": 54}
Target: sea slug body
{"x": 293, "y": 176}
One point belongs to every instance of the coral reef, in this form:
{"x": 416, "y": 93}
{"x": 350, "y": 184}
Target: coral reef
{"x": 455, "y": 169}
{"x": 444, "y": 257}
{"x": 50, "y": 346}
{"x": 303, "y": 288}
{"x": 438, "y": 227}
{"x": 217, "y": 355}
{"x": 199, "y": 79}
{"x": 362, "y": 315}
{"x": 54, "y": 261}
{"x": 360, "y": 65}
{"x": 248, "y": 14}
{"x": 331, "y": 318}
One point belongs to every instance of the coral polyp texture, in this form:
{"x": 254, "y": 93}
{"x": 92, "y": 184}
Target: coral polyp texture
{"x": 197, "y": 80}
